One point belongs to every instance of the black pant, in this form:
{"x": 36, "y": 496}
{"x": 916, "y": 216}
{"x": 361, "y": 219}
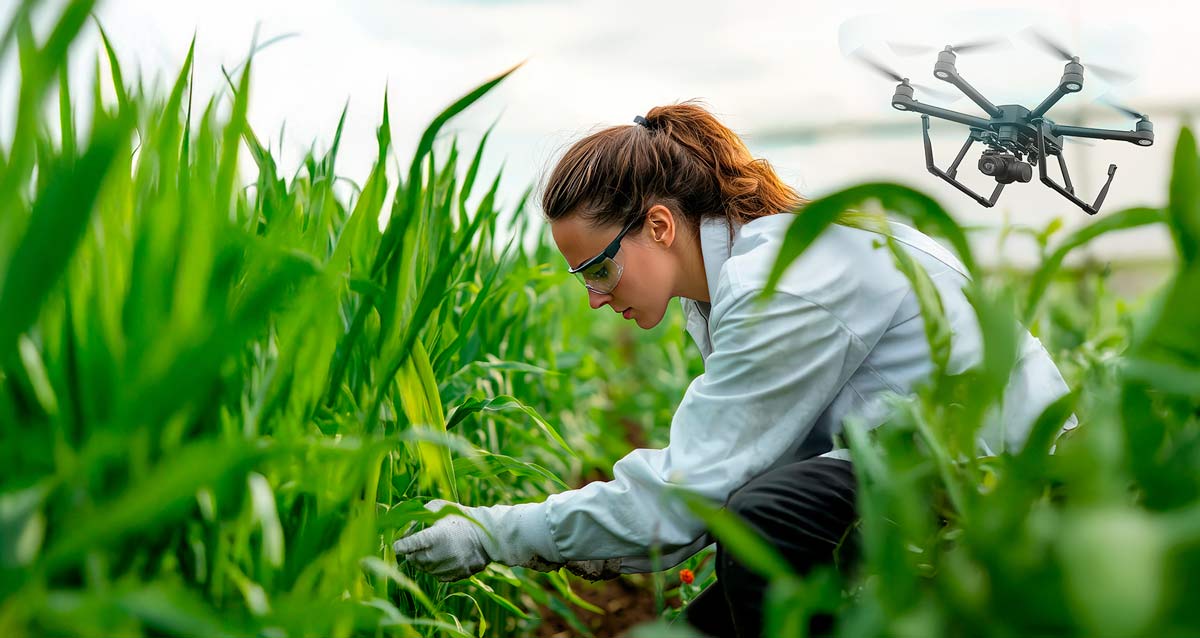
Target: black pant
{"x": 806, "y": 510}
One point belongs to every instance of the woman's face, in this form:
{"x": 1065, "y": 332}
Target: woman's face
{"x": 648, "y": 267}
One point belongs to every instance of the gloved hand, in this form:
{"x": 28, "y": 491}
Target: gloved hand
{"x": 454, "y": 548}
{"x": 451, "y": 549}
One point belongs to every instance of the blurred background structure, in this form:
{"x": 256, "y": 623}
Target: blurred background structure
{"x": 776, "y": 72}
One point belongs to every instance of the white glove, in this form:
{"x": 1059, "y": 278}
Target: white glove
{"x": 451, "y": 549}
{"x": 454, "y": 548}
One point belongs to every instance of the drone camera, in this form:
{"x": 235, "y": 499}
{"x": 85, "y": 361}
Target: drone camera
{"x": 1005, "y": 167}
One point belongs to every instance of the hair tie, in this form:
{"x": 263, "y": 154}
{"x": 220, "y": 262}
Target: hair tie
{"x": 641, "y": 120}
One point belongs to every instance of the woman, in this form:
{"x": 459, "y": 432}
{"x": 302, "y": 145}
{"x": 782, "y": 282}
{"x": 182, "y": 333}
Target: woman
{"x": 675, "y": 206}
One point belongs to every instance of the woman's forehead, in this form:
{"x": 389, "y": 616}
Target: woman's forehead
{"x": 578, "y": 241}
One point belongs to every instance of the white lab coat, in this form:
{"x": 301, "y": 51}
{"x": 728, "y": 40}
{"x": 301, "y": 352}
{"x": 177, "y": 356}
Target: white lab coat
{"x": 842, "y": 331}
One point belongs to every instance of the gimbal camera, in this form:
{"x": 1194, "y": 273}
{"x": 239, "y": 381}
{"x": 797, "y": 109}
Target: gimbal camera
{"x": 1016, "y": 137}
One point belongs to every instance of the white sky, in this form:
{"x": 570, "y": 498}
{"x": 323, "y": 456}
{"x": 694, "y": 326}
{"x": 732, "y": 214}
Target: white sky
{"x": 760, "y": 66}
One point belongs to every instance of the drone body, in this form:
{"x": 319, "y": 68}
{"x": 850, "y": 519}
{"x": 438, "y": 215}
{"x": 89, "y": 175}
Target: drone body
{"x": 1016, "y": 137}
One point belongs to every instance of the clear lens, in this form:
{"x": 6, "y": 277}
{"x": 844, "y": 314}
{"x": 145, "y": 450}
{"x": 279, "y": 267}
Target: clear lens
{"x": 602, "y": 276}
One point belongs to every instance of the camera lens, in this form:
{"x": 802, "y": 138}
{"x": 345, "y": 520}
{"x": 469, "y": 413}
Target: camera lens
{"x": 993, "y": 165}
{"x": 1022, "y": 172}
{"x": 1005, "y": 168}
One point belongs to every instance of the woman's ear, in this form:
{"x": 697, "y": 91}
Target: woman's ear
{"x": 662, "y": 225}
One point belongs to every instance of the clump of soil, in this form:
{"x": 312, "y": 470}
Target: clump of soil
{"x": 627, "y": 601}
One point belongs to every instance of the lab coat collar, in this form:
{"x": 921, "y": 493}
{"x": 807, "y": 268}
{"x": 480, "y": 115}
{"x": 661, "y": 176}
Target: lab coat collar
{"x": 716, "y": 246}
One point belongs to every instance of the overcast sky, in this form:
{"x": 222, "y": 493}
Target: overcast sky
{"x": 775, "y": 72}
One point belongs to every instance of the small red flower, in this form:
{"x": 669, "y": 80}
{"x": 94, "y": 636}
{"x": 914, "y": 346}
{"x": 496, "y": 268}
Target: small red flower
{"x": 687, "y": 576}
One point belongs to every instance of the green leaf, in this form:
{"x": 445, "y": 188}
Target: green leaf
{"x": 817, "y": 215}
{"x": 1000, "y": 332}
{"x": 176, "y": 611}
{"x": 57, "y": 223}
{"x": 1121, "y": 220}
{"x": 505, "y": 402}
{"x": 738, "y": 537}
{"x": 66, "y": 120}
{"x": 234, "y": 129}
{"x": 933, "y": 315}
{"x": 22, "y": 524}
{"x": 159, "y": 498}
{"x": 563, "y": 586}
{"x": 389, "y": 571}
{"x": 1042, "y": 434}
{"x": 115, "y": 67}
{"x": 262, "y": 499}
{"x": 498, "y": 599}
{"x": 490, "y": 465}
{"x": 1183, "y": 202}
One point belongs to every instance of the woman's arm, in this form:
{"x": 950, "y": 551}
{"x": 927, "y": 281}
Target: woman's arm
{"x": 772, "y": 372}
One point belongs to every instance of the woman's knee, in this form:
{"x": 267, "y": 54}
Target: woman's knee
{"x": 805, "y": 509}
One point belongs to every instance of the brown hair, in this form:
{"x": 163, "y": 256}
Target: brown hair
{"x": 683, "y": 158}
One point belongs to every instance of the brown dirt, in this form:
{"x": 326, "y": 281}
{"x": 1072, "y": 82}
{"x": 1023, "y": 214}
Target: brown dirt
{"x": 627, "y": 601}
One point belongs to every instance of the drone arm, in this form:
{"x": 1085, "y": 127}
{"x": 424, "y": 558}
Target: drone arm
{"x": 1069, "y": 194}
{"x": 949, "y": 177}
{"x": 1049, "y": 102}
{"x": 947, "y": 72}
{"x": 1142, "y": 137}
{"x": 906, "y": 103}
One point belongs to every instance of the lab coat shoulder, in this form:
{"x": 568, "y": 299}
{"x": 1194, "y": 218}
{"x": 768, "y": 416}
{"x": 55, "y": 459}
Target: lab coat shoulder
{"x": 846, "y": 271}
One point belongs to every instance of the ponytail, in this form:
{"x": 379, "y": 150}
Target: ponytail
{"x": 681, "y": 157}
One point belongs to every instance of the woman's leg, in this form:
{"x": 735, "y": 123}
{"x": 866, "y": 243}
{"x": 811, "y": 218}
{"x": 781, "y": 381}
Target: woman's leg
{"x": 805, "y": 509}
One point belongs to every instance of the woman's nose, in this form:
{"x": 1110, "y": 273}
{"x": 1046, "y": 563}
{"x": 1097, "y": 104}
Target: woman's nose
{"x": 596, "y": 299}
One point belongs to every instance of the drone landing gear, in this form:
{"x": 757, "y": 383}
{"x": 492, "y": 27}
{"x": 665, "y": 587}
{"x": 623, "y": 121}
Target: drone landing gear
{"x": 1069, "y": 191}
{"x": 949, "y": 176}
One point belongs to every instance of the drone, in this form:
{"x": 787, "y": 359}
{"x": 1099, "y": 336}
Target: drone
{"x": 1016, "y": 138}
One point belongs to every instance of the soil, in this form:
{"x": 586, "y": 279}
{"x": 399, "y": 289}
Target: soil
{"x": 627, "y": 601}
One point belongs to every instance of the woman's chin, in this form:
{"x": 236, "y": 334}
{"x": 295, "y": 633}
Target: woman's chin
{"x": 644, "y": 322}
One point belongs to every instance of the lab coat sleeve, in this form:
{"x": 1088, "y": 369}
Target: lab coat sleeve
{"x": 771, "y": 373}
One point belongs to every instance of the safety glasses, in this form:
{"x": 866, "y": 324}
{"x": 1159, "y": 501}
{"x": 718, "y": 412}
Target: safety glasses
{"x": 601, "y": 273}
